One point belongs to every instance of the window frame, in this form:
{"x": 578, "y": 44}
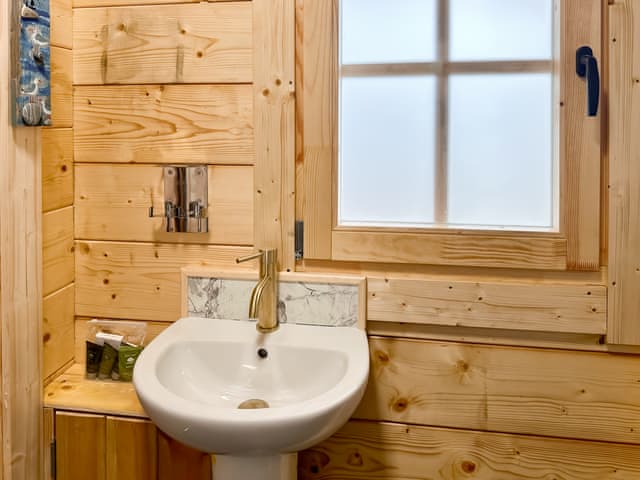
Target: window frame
{"x": 575, "y": 247}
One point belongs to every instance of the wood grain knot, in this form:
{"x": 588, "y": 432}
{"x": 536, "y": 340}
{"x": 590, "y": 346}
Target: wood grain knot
{"x": 355, "y": 459}
{"x": 381, "y": 356}
{"x": 462, "y": 366}
{"x": 67, "y": 387}
{"x": 46, "y": 337}
{"x": 468, "y": 466}
{"x": 401, "y": 404}
{"x": 311, "y": 462}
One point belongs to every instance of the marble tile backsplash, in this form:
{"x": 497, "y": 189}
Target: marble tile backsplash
{"x": 298, "y": 302}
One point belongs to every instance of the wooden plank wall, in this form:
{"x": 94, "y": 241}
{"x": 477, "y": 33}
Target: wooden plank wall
{"x": 154, "y": 86}
{"x": 157, "y": 85}
{"x": 188, "y": 93}
{"x": 624, "y": 173}
{"x": 20, "y": 279}
{"x": 57, "y": 200}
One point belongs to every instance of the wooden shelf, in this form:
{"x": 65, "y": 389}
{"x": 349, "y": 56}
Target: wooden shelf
{"x": 72, "y": 391}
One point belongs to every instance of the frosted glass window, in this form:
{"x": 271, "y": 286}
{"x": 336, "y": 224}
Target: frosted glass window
{"x": 387, "y": 145}
{"x": 425, "y": 140}
{"x": 501, "y": 30}
{"x": 380, "y": 31}
{"x": 500, "y": 150}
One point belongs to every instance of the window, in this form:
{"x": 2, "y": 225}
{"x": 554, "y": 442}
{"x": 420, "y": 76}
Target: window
{"x": 450, "y": 132}
{"x": 447, "y": 107}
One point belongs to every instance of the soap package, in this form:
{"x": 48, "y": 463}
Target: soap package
{"x": 113, "y": 348}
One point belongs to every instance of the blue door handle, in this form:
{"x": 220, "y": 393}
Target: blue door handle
{"x": 587, "y": 68}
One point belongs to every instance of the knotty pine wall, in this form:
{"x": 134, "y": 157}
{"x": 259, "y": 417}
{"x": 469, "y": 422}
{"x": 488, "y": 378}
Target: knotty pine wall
{"x": 57, "y": 200}
{"x": 157, "y": 83}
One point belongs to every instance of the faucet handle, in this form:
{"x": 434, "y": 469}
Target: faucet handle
{"x": 253, "y": 256}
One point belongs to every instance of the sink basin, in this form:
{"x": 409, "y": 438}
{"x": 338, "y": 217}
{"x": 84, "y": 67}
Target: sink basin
{"x": 192, "y": 379}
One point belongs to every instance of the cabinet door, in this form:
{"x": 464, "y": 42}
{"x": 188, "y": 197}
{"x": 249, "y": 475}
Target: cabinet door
{"x": 131, "y": 449}
{"x": 80, "y": 446}
{"x": 179, "y": 462}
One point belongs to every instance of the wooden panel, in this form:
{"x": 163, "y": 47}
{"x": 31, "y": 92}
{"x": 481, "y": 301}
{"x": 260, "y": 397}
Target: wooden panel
{"x": 624, "y": 173}
{"x": 57, "y": 168}
{"x": 80, "y": 446}
{"x": 491, "y": 336}
{"x": 179, "y": 462}
{"x": 450, "y": 68}
{"x": 61, "y": 23}
{"x": 72, "y": 391}
{"x": 467, "y": 249}
{"x": 109, "y": 3}
{"x": 57, "y": 249}
{"x": 542, "y": 307}
{"x": 21, "y": 286}
{"x": 21, "y": 421}
{"x": 319, "y": 96}
{"x": 48, "y": 438}
{"x": 452, "y": 272}
{"x": 164, "y": 124}
{"x": 592, "y": 396}
{"x": 580, "y": 137}
{"x": 61, "y": 88}
{"x": 131, "y": 449}
{"x": 605, "y": 70}
{"x": 274, "y": 93}
{"x": 141, "y": 281}
{"x": 201, "y": 43}
{"x": 112, "y": 203}
{"x": 393, "y": 452}
{"x": 57, "y": 330}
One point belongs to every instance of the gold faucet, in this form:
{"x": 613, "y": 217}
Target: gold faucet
{"x": 264, "y": 298}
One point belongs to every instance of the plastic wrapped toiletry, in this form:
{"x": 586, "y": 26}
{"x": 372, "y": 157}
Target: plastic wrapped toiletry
{"x": 94, "y": 355}
{"x": 115, "y": 371}
{"x": 104, "y": 341}
{"x": 109, "y": 358}
{"x": 127, "y": 356}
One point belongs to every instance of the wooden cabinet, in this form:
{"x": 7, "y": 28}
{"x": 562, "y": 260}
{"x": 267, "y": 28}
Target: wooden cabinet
{"x": 80, "y": 446}
{"x": 100, "y": 447}
{"x": 131, "y": 449}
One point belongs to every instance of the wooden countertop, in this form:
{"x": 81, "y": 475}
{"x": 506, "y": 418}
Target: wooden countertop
{"x": 72, "y": 391}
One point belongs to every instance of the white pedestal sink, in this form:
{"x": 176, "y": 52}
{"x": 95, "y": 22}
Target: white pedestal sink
{"x": 194, "y": 377}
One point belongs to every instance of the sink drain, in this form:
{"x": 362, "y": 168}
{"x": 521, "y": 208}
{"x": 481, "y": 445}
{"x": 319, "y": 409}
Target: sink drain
{"x": 252, "y": 404}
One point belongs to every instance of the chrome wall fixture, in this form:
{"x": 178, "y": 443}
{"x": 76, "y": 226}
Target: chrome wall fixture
{"x": 186, "y": 195}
